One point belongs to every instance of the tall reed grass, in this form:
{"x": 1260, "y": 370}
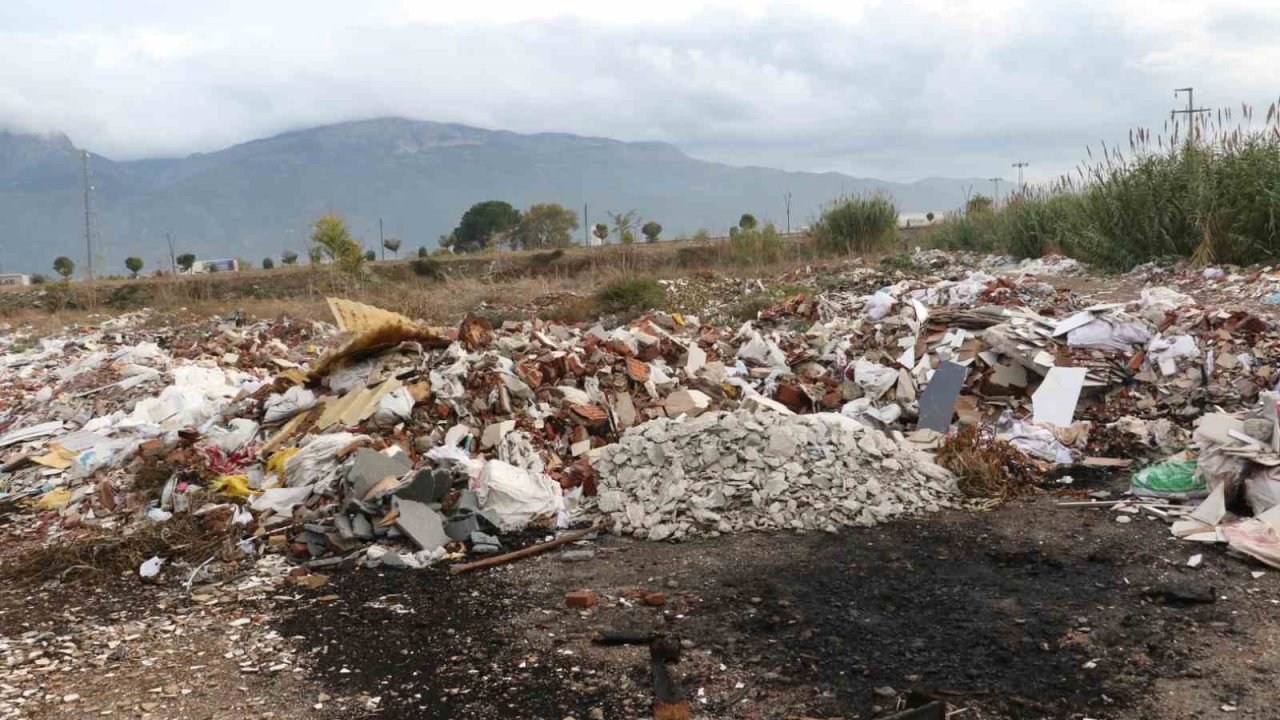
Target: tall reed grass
{"x": 1209, "y": 192}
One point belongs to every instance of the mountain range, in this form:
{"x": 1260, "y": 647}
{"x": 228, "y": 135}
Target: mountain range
{"x": 258, "y": 198}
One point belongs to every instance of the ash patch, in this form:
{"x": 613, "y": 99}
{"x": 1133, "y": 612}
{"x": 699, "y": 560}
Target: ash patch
{"x": 429, "y": 645}
{"x": 996, "y": 623}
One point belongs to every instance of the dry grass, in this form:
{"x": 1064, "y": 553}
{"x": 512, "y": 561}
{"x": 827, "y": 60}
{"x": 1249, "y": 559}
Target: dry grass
{"x": 102, "y": 557}
{"x": 986, "y": 467}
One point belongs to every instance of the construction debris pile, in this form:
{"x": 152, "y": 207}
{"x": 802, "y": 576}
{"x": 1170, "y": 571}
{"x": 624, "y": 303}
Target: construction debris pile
{"x": 384, "y": 442}
{"x": 730, "y": 472}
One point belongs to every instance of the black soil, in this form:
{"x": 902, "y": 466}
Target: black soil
{"x": 434, "y": 646}
{"x": 1025, "y": 612}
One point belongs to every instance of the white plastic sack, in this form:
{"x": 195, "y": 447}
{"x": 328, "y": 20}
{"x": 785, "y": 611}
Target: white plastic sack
{"x": 875, "y": 380}
{"x": 281, "y": 501}
{"x": 762, "y": 352}
{"x": 285, "y": 405}
{"x": 1105, "y": 335}
{"x": 1160, "y": 300}
{"x": 878, "y": 305}
{"x": 1262, "y": 489}
{"x": 518, "y": 496}
{"x": 1164, "y": 352}
{"x": 235, "y": 436}
{"x": 450, "y": 455}
{"x": 394, "y": 408}
{"x": 315, "y": 465}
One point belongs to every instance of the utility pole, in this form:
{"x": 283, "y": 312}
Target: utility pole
{"x": 1022, "y": 186}
{"x": 173, "y": 259}
{"x": 586, "y": 227}
{"x": 1191, "y": 112}
{"x": 88, "y": 235}
{"x": 786, "y": 198}
{"x": 995, "y": 193}
{"x": 382, "y": 240}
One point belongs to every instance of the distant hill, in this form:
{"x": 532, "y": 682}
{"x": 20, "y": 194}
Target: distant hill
{"x": 256, "y": 199}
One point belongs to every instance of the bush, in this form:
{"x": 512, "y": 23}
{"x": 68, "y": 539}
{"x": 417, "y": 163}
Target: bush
{"x": 857, "y": 224}
{"x": 964, "y": 232}
{"x": 756, "y": 247}
{"x": 427, "y": 267}
{"x": 634, "y": 294}
{"x": 1039, "y": 224}
{"x": 268, "y": 263}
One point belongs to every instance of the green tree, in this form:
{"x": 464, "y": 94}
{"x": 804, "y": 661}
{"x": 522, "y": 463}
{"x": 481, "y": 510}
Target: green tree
{"x": 747, "y": 221}
{"x": 601, "y": 231}
{"x": 546, "y": 225}
{"x": 392, "y": 244}
{"x": 651, "y": 230}
{"x": 481, "y": 225}
{"x": 622, "y": 224}
{"x": 422, "y": 251}
{"x": 64, "y": 266}
{"x": 334, "y": 241}
{"x": 289, "y": 257}
{"x": 186, "y": 261}
{"x": 370, "y": 256}
{"x": 928, "y": 216}
{"x": 979, "y": 204}
{"x": 268, "y": 263}
{"x": 134, "y": 264}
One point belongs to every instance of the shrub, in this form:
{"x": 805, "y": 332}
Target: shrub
{"x": 1038, "y": 224}
{"x": 756, "y": 247}
{"x": 633, "y": 294}
{"x": 427, "y": 267}
{"x": 289, "y": 257}
{"x": 651, "y": 230}
{"x": 964, "y": 232}
{"x": 268, "y": 263}
{"x": 747, "y": 222}
{"x": 857, "y": 224}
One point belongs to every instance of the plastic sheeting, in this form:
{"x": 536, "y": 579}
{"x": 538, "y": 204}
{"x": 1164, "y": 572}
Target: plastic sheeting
{"x": 520, "y": 497}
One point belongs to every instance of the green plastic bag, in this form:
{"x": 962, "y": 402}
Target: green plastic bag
{"x": 1169, "y": 479}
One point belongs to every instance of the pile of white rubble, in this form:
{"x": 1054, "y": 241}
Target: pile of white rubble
{"x": 732, "y": 472}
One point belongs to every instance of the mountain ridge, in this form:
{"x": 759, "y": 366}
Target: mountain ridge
{"x": 257, "y": 198}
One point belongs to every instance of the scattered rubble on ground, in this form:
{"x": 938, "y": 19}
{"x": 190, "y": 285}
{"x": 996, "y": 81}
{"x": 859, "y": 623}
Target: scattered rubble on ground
{"x": 187, "y": 457}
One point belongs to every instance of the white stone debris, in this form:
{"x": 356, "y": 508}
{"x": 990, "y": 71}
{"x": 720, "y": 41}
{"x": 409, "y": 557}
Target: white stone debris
{"x": 725, "y": 472}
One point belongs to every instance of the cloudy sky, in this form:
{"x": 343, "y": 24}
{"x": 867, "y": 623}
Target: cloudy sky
{"x": 898, "y": 89}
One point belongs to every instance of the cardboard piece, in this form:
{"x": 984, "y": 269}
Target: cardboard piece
{"x": 938, "y": 402}
{"x": 1054, "y": 402}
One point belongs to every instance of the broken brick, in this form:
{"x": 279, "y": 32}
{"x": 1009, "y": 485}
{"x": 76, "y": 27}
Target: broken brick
{"x": 581, "y": 599}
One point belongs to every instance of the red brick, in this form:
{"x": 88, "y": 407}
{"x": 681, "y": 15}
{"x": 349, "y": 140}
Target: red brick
{"x": 582, "y": 599}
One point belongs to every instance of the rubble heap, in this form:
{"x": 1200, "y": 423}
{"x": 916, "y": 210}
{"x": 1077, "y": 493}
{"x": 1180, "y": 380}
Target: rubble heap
{"x": 729, "y": 472}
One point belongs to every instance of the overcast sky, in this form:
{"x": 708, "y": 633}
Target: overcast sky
{"x": 897, "y": 90}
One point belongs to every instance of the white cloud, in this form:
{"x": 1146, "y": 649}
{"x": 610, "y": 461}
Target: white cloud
{"x": 889, "y": 89}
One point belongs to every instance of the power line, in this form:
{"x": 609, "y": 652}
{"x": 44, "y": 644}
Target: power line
{"x": 1022, "y": 186}
{"x": 1191, "y": 112}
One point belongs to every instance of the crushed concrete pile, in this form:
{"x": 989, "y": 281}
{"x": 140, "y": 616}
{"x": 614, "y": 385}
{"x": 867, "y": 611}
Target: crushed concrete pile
{"x": 729, "y": 472}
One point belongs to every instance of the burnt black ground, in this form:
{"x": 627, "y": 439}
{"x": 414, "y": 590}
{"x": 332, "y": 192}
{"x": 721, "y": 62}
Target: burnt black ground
{"x": 433, "y": 646}
{"x": 1023, "y": 612}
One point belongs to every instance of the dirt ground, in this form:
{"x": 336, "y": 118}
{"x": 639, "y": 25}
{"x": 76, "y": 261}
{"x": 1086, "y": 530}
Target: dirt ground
{"x": 1025, "y": 611}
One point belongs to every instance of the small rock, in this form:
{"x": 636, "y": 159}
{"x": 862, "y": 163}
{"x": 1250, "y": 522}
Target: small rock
{"x": 885, "y": 692}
